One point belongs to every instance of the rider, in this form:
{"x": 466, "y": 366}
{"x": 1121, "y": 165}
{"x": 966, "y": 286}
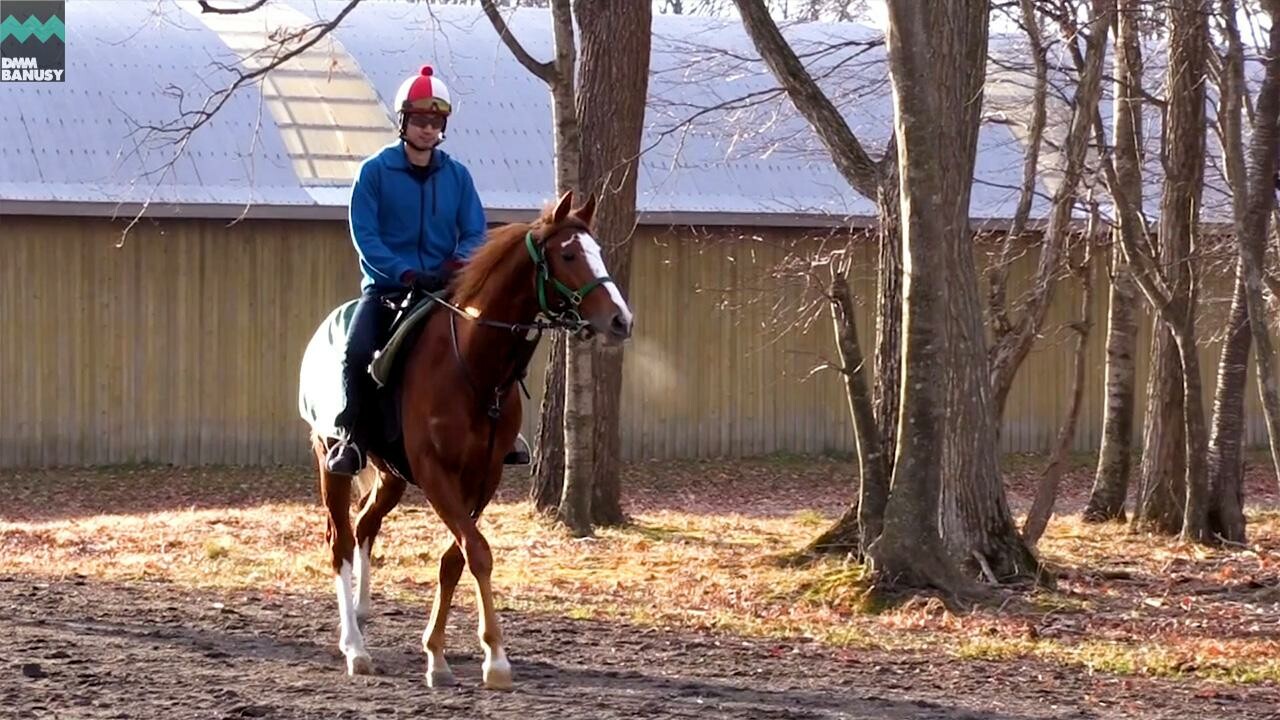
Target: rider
{"x": 415, "y": 219}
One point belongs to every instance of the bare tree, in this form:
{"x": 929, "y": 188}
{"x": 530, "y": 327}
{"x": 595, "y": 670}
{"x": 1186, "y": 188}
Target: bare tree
{"x": 1014, "y": 339}
{"x": 1253, "y": 199}
{"x": 976, "y": 522}
{"x": 612, "y": 92}
{"x": 1047, "y": 490}
{"x": 598, "y": 122}
{"x": 928, "y": 45}
{"x": 547, "y": 489}
{"x": 1111, "y": 479}
{"x": 1168, "y": 285}
{"x": 876, "y": 180}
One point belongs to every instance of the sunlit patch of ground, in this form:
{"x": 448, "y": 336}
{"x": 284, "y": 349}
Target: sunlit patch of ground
{"x": 702, "y": 552}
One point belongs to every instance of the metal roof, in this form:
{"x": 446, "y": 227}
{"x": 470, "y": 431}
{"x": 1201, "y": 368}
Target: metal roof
{"x": 286, "y": 148}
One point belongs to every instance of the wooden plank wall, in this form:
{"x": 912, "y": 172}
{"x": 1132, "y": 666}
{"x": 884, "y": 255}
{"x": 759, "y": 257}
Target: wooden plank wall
{"x": 183, "y": 346}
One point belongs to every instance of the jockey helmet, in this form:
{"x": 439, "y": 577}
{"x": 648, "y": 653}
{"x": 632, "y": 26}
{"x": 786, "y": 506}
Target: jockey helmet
{"x": 423, "y": 93}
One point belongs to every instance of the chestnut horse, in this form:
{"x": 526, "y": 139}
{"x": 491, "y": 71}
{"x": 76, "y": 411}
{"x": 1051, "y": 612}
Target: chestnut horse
{"x": 460, "y": 412}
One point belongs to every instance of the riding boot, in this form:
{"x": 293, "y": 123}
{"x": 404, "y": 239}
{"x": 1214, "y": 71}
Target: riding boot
{"x": 346, "y": 457}
{"x": 519, "y": 453}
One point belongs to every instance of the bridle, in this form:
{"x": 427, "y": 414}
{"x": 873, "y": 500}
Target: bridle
{"x": 566, "y": 317}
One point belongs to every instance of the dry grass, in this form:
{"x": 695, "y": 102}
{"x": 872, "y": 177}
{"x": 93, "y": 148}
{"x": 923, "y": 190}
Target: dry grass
{"x": 702, "y": 552}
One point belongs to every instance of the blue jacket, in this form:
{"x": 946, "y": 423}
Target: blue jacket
{"x": 400, "y": 222}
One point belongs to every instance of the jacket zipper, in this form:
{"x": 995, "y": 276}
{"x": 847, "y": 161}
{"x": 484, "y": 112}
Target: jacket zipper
{"x": 422, "y": 226}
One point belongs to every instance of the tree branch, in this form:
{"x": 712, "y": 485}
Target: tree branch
{"x": 205, "y": 7}
{"x": 850, "y": 158}
{"x": 544, "y": 71}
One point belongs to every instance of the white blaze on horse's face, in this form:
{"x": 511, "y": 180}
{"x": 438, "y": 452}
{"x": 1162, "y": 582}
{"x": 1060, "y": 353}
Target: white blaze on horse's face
{"x": 620, "y": 325}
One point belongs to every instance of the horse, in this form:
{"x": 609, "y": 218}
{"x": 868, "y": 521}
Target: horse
{"x": 460, "y": 412}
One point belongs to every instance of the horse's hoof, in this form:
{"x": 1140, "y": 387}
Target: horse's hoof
{"x": 441, "y": 678}
{"x": 497, "y": 676}
{"x": 359, "y": 665}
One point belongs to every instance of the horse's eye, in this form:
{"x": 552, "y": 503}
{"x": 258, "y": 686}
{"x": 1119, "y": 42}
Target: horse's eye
{"x": 568, "y": 257}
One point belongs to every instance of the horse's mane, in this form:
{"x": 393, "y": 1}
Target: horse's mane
{"x": 486, "y": 264}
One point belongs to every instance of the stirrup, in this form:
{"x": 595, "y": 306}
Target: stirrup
{"x": 345, "y": 458}
{"x": 519, "y": 453}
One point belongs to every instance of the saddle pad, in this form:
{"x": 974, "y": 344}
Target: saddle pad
{"x": 320, "y": 396}
{"x": 384, "y": 360}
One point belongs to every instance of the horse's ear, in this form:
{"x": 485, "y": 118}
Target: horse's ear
{"x": 587, "y": 211}
{"x": 562, "y": 207}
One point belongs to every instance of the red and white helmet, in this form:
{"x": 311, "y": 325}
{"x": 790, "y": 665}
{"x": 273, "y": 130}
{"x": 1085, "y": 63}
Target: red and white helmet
{"x": 423, "y": 92}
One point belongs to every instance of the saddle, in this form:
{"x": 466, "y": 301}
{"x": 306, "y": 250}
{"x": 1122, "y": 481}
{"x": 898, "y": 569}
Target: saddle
{"x": 380, "y": 412}
{"x": 413, "y": 311}
{"x": 320, "y": 397}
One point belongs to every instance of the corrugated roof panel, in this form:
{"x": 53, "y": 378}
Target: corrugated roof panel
{"x": 719, "y": 138}
{"x": 89, "y": 132}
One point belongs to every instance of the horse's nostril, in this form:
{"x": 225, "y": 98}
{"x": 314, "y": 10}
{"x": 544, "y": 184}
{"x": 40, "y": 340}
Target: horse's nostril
{"x": 620, "y": 326}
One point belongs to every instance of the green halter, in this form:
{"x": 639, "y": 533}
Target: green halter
{"x": 543, "y": 276}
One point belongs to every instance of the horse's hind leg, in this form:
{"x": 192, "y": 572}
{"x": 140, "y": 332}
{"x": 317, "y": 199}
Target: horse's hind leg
{"x": 451, "y": 564}
{"x": 335, "y": 490}
{"x": 386, "y": 494}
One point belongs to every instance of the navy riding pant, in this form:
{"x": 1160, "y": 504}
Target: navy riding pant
{"x": 369, "y": 325}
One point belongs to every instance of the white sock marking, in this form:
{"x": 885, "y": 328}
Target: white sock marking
{"x": 362, "y": 570}
{"x": 350, "y": 641}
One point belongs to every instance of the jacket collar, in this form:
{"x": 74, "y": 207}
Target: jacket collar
{"x": 396, "y": 159}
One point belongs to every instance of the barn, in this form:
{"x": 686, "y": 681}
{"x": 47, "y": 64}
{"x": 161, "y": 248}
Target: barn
{"x": 158, "y": 288}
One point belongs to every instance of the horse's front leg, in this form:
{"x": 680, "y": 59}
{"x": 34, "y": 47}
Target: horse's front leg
{"x": 433, "y": 639}
{"x": 469, "y": 546}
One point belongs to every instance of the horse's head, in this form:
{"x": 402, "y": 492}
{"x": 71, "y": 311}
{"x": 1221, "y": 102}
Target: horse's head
{"x": 572, "y": 279}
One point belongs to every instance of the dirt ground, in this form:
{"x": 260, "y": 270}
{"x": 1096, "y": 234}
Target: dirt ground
{"x": 84, "y": 647}
{"x": 76, "y": 648}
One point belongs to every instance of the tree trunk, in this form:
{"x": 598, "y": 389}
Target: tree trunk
{"x": 1253, "y": 215}
{"x": 844, "y": 537}
{"x": 612, "y": 89}
{"x": 1179, "y": 227}
{"x": 1195, "y": 515}
{"x": 1047, "y": 490}
{"x": 1111, "y": 480}
{"x": 606, "y": 502}
{"x": 548, "y": 464}
{"x": 977, "y": 526}
{"x": 909, "y": 550}
{"x": 888, "y": 361}
{"x": 1158, "y": 505}
{"x": 575, "y": 500}
{"x": 1226, "y": 439}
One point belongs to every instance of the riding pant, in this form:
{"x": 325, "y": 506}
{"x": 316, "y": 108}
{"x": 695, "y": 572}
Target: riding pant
{"x": 369, "y": 326}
